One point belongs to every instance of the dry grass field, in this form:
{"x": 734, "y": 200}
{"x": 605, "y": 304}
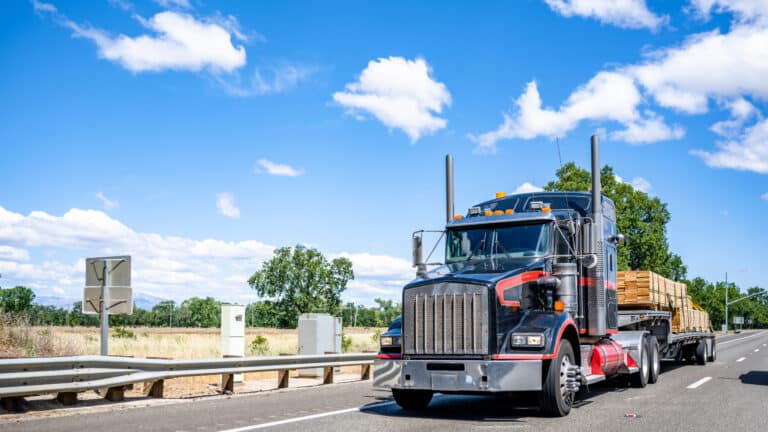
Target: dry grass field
{"x": 176, "y": 343}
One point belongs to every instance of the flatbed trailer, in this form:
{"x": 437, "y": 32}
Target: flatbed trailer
{"x": 672, "y": 346}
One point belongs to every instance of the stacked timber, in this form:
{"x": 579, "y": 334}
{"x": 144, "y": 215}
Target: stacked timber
{"x": 644, "y": 289}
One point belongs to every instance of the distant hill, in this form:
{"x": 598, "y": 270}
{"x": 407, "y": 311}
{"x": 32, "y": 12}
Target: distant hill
{"x": 141, "y": 301}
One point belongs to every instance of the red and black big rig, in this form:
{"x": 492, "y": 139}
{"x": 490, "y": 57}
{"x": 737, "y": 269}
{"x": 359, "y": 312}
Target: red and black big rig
{"x": 526, "y": 301}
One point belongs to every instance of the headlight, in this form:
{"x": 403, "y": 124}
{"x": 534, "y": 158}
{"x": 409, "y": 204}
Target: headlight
{"x": 527, "y": 340}
{"x": 390, "y": 341}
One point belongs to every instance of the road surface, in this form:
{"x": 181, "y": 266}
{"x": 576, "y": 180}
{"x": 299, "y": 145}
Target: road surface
{"x": 730, "y": 394}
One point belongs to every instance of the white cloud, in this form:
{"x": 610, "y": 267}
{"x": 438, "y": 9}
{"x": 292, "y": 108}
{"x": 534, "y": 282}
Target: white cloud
{"x": 765, "y": 196}
{"x": 278, "y": 79}
{"x": 621, "y": 13}
{"x": 164, "y": 266}
{"x": 278, "y": 169}
{"x": 708, "y": 65}
{"x": 641, "y": 184}
{"x": 13, "y": 254}
{"x": 650, "y": 129}
{"x": 744, "y": 10}
{"x": 177, "y": 41}
{"x": 225, "y": 202}
{"x": 607, "y": 96}
{"x": 527, "y": 187}
{"x": 106, "y": 202}
{"x": 748, "y": 152}
{"x": 43, "y": 7}
{"x": 400, "y": 93}
{"x": 741, "y": 111}
{"x": 168, "y": 4}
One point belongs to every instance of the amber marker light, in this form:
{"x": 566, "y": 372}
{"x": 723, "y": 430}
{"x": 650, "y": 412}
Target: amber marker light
{"x": 488, "y": 213}
{"x": 559, "y": 306}
{"x": 546, "y": 210}
{"x": 500, "y": 195}
{"x": 458, "y": 217}
{"x": 509, "y": 211}
{"x": 498, "y": 213}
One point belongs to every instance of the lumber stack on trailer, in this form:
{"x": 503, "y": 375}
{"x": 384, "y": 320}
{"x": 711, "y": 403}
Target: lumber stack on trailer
{"x": 644, "y": 289}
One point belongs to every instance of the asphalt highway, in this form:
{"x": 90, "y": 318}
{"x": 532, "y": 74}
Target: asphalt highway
{"x": 730, "y": 394}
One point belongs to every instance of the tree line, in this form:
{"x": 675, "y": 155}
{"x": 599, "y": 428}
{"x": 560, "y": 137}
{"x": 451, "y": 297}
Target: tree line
{"x": 193, "y": 312}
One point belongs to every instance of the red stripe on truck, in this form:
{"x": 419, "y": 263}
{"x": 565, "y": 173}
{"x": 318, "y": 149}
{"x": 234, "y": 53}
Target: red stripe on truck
{"x": 513, "y": 282}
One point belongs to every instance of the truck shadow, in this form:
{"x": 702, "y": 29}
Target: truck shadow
{"x": 509, "y": 408}
{"x": 755, "y": 377}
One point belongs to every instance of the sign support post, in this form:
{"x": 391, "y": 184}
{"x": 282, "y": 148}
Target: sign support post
{"x": 104, "y": 306}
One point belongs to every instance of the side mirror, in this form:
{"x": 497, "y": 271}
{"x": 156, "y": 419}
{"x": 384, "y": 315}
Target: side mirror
{"x": 418, "y": 259}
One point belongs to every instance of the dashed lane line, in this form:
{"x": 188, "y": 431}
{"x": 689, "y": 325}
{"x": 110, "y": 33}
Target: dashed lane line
{"x": 757, "y": 349}
{"x": 699, "y": 383}
{"x": 741, "y": 359}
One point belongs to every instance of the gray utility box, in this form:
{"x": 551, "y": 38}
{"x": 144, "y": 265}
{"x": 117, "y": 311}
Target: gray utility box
{"x": 318, "y": 334}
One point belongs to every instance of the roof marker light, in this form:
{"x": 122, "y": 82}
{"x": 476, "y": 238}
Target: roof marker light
{"x": 500, "y": 195}
{"x": 509, "y": 211}
{"x": 488, "y": 213}
{"x": 458, "y": 217}
{"x": 498, "y": 213}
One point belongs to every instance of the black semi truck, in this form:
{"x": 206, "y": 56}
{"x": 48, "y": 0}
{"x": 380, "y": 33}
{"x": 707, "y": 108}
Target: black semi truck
{"x": 525, "y": 302}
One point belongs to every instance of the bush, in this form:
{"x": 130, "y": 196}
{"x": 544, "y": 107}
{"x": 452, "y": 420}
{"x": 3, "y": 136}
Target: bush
{"x": 259, "y": 346}
{"x": 123, "y": 333}
{"x": 376, "y": 336}
{"x": 19, "y": 339}
{"x": 346, "y": 343}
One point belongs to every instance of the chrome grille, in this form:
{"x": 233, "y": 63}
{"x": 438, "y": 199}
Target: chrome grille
{"x": 445, "y": 319}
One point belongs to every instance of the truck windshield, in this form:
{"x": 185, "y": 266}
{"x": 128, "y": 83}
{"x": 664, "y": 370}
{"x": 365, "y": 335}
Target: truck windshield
{"x": 511, "y": 241}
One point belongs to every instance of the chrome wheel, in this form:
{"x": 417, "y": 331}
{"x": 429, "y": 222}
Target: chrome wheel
{"x": 565, "y": 366}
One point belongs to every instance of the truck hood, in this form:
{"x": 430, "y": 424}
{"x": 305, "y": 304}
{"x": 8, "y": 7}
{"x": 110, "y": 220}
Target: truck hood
{"x": 483, "y": 272}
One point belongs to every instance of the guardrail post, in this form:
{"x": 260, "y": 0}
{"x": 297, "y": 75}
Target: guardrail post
{"x": 228, "y": 383}
{"x": 282, "y": 378}
{"x": 67, "y": 398}
{"x": 365, "y": 372}
{"x": 328, "y": 375}
{"x": 155, "y": 389}
{"x": 115, "y": 394}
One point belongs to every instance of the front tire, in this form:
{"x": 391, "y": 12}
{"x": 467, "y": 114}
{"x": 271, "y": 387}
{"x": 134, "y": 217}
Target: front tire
{"x": 653, "y": 353}
{"x": 412, "y": 400}
{"x": 555, "y": 400}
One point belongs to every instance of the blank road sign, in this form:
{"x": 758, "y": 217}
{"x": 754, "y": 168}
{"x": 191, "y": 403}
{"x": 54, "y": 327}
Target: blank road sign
{"x": 738, "y": 320}
{"x": 119, "y": 268}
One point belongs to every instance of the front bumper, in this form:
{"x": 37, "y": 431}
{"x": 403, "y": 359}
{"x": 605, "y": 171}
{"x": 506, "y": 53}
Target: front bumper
{"x": 472, "y": 375}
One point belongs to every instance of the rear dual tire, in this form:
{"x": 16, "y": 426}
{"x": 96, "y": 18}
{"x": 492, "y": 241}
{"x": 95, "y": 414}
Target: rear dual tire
{"x": 650, "y": 363}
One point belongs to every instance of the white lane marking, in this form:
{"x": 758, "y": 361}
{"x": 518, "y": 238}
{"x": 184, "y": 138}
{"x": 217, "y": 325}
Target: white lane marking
{"x": 757, "y": 349}
{"x": 309, "y": 417}
{"x": 741, "y": 359}
{"x": 745, "y": 337}
{"x": 699, "y": 382}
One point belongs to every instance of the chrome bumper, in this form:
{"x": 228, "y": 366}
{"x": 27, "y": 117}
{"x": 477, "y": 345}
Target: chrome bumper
{"x": 476, "y": 376}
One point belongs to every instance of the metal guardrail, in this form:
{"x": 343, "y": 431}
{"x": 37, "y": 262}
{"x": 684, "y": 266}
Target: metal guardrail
{"x": 70, "y": 375}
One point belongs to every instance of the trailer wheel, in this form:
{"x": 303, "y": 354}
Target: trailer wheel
{"x": 653, "y": 353}
{"x": 640, "y": 378}
{"x": 701, "y": 353}
{"x": 555, "y": 399}
{"x": 412, "y": 400}
{"x": 712, "y": 351}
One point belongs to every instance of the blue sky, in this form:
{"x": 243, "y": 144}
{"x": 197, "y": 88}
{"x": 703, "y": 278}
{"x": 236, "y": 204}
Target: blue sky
{"x": 197, "y": 136}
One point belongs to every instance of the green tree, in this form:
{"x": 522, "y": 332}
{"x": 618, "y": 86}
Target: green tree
{"x": 16, "y": 300}
{"x": 301, "y": 280}
{"x": 202, "y": 312}
{"x": 642, "y": 219}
